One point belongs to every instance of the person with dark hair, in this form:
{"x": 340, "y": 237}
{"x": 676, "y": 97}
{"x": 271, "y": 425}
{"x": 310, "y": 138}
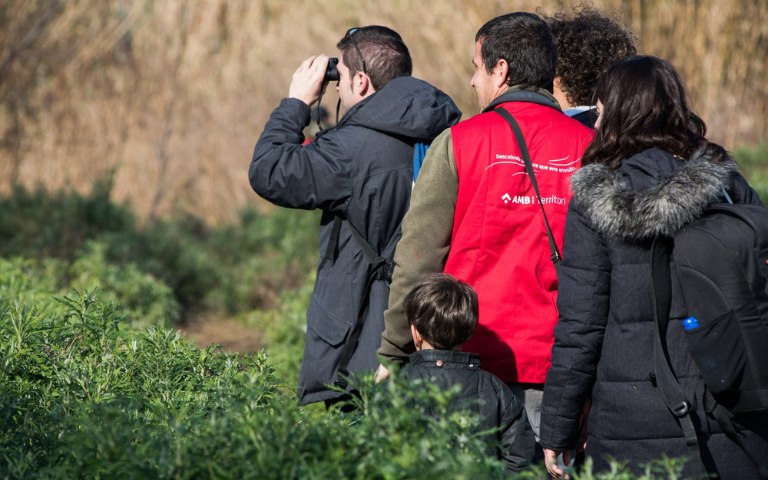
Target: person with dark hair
{"x": 587, "y": 44}
{"x": 475, "y": 214}
{"x": 649, "y": 171}
{"x": 442, "y": 313}
{"x": 387, "y": 56}
{"x": 359, "y": 173}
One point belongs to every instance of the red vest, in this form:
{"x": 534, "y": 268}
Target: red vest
{"x": 499, "y": 243}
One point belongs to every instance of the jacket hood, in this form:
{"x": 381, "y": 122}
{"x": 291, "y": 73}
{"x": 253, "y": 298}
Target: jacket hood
{"x": 406, "y": 107}
{"x": 652, "y": 193}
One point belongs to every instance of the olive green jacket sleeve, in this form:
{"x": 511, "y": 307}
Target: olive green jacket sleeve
{"x": 423, "y": 249}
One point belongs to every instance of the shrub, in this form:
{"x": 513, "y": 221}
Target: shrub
{"x": 284, "y": 329}
{"x": 232, "y": 268}
{"x": 62, "y": 375}
{"x": 271, "y": 253}
{"x": 754, "y": 164}
{"x": 143, "y": 299}
{"x": 80, "y": 398}
{"x": 30, "y": 282}
{"x": 43, "y": 224}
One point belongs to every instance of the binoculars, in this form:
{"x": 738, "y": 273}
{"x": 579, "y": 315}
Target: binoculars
{"x": 331, "y": 72}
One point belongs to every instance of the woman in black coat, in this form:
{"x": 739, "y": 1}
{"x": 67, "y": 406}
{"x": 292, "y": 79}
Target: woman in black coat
{"x": 649, "y": 171}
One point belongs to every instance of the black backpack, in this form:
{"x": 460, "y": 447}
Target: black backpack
{"x": 722, "y": 265}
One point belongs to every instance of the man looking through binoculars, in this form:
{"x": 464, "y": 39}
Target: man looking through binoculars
{"x": 359, "y": 173}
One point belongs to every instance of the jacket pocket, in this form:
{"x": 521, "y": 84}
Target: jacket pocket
{"x": 327, "y": 326}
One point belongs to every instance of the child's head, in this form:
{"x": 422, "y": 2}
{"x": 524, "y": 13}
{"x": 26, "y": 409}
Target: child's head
{"x": 442, "y": 312}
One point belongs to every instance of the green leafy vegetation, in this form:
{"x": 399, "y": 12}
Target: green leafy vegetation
{"x": 233, "y": 268}
{"x": 95, "y": 385}
{"x": 80, "y": 398}
{"x": 283, "y": 330}
{"x": 754, "y": 164}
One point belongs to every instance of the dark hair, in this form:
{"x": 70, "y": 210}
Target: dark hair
{"x": 443, "y": 310}
{"x": 644, "y": 106}
{"x": 587, "y": 45}
{"x": 386, "y": 56}
{"x": 526, "y": 43}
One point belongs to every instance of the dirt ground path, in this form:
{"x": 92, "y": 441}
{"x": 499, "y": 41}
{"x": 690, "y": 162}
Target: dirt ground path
{"x": 229, "y": 334}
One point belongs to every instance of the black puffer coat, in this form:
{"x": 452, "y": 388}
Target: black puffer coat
{"x": 484, "y": 394}
{"x": 604, "y": 338}
{"x": 361, "y": 171}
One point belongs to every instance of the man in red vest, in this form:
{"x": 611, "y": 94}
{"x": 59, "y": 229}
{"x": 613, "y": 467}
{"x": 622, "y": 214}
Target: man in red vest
{"x": 474, "y": 212}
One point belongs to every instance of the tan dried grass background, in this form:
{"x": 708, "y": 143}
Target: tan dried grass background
{"x": 170, "y": 96}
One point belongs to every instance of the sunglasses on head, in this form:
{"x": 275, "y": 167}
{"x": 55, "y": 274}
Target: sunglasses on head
{"x": 349, "y": 36}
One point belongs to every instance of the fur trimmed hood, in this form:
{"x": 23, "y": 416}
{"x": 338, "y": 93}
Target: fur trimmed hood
{"x": 652, "y": 193}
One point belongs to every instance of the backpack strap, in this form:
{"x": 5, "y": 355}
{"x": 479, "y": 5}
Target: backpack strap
{"x": 381, "y": 269}
{"x": 555, "y": 253}
{"x": 334, "y": 240}
{"x": 671, "y": 391}
{"x": 724, "y": 419}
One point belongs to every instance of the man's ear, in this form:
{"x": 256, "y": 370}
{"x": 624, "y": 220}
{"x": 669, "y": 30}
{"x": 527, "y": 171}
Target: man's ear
{"x": 417, "y": 340}
{"x": 362, "y": 84}
{"x": 500, "y": 72}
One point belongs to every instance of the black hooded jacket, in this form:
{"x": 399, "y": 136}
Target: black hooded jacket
{"x": 361, "y": 170}
{"x": 604, "y": 338}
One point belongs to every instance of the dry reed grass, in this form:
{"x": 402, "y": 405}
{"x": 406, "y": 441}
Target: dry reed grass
{"x": 170, "y": 96}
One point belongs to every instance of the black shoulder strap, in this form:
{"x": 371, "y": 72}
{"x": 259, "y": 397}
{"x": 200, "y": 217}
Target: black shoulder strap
{"x": 724, "y": 419}
{"x": 373, "y": 257}
{"x": 671, "y": 391}
{"x": 334, "y": 240}
{"x": 381, "y": 269}
{"x": 555, "y": 257}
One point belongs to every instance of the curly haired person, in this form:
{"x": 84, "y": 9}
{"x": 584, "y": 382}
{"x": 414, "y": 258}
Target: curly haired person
{"x": 587, "y": 44}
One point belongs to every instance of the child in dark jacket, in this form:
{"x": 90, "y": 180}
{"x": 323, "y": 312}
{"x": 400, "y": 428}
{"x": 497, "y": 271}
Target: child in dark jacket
{"x": 443, "y": 312}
